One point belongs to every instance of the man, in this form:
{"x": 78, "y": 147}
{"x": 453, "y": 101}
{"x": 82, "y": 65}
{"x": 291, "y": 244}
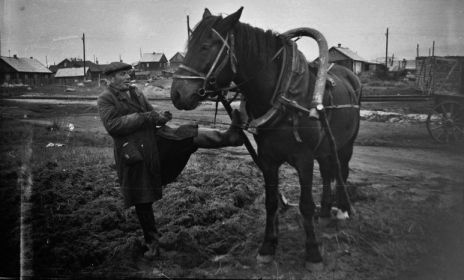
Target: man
{"x": 148, "y": 153}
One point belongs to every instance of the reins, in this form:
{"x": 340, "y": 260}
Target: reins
{"x": 210, "y": 77}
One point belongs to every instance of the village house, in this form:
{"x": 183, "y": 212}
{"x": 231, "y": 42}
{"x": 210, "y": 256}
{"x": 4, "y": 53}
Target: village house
{"x": 72, "y": 75}
{"x": 21, "y": 70}
{"x": 348, "y": 58}
{"x": 153, "y": 62}
{"x": 176, "y": 60}
{"x": 94, "y": 73}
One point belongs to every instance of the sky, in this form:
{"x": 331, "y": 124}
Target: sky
{"x": 51, "y": 30}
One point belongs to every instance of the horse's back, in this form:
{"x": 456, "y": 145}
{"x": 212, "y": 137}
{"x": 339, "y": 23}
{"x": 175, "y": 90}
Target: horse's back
{"x": 348, "y": 80}
{"x": 341, "y": 100}
{"x": 344, "y": 82}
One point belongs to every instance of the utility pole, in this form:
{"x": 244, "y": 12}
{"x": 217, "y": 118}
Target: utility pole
{"x": 83, "y": 43}
{"x": 46, "y": 61}
{"x": 433, "y": 48}
{"x": 189, "y": 31}
{"x": 417, "y": 51}
{"x": 386, "y": 49}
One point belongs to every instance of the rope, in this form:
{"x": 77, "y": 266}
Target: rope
{"x": 334, "y": 150}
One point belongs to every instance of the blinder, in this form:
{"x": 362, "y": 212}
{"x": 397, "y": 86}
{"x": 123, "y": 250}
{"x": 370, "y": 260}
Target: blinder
{"x": 209, "y": 87}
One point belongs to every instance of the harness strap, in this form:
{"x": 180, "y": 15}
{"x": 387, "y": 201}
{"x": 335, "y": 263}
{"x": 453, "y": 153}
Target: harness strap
{"x": 277, "y": 88}
{"x": 216, "y": 67}
{"x": 342, "y": 106}
{"x": 224, "y": 45}
{"x": 233, "y": 58}
{"x": 270, "y": 114}
{"x": 200, "y": 76}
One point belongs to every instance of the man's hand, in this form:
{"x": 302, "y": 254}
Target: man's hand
{"x": 161, "y": 121}
{"x": 157, "y": 119}
{"x": 151, "y": 116}
{"x": 167, "y": 115}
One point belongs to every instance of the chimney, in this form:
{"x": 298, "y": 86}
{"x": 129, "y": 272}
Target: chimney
{"x": 32, "y": 57}
{"x": 339, "y": 45}
{"x": 15, "y": 56}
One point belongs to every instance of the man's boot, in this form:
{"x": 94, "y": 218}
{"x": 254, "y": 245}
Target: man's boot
{"x": 212, "y": 138}
{"x": 150, "y": 233}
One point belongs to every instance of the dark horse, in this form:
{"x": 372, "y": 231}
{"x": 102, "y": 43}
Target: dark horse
{"x": 222, "y": 50}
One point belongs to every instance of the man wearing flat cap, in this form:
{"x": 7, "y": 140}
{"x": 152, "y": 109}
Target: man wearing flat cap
{"x": 148, "y": 153}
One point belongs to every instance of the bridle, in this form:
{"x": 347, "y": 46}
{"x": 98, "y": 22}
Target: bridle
{"x": 209, "y": 79}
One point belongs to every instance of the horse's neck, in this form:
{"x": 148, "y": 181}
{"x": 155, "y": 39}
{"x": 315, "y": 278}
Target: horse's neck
{"x": 257, "y": 76}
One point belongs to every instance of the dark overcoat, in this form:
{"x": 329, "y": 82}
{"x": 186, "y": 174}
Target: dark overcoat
{"x": 122, "y": 118}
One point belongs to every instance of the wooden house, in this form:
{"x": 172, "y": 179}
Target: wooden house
{"x": 95, "y": 71}
{"x": 153, "y": 62}
{"x": 21, "y": 70}
{"x": 176, "y": 60}
{"x": 68, "y": 76}
{"x": 346, "y": 57}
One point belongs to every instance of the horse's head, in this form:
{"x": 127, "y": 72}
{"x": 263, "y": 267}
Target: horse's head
{"x": 209, "y": 64}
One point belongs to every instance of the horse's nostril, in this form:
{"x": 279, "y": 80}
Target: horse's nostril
{"x": 201, "y": 92}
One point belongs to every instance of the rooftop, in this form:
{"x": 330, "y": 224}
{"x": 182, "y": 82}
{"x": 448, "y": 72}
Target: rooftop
{"x": 27, "y": 65}
{"x": 151, "y": 57}
{"x": 349, "y": 53}
{"x": 71, "y": 72}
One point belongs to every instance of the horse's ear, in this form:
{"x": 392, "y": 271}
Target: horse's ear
{"x": 207, "y": 13}
{"x": 231, "y": 20}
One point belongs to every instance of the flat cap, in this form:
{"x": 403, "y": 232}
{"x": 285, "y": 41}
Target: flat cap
{"x": 115, "y": 67}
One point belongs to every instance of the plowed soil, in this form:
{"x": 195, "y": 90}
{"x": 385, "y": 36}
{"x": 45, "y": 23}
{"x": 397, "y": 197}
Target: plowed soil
{"x": 64, "y": 216}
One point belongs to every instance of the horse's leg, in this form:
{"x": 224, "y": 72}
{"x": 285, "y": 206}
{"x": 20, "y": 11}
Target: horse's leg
{"x": 305, "y": 167}
{"x": 326, "y": 199}
{"x": 270, "y": 172}
{"x": 344, "y": 155}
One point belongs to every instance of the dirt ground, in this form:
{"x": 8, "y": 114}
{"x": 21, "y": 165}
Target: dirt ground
{"x": 64, "y": 203}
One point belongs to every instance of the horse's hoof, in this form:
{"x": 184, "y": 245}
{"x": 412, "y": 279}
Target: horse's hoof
{"x": 314, "y": 267}
{"x": 264, "y": 259}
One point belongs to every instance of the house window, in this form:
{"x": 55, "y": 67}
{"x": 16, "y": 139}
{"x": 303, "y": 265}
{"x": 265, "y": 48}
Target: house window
{"x": 148, "y": 65}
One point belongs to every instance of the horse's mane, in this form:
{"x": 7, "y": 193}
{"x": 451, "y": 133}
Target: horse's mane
{"x": 254, "y": 43}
